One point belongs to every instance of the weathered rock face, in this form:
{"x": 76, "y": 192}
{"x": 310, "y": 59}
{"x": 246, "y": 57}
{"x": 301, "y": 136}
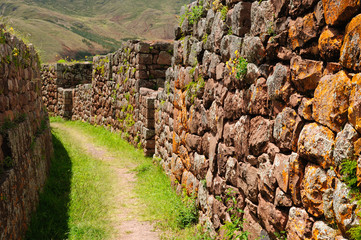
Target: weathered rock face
{"x": 306, "y": 73}
{"x": 314, "y": 185}
{"x": 25, "y": 139}
{"x": 299, "y": 225}
{"x": 286, "y": 129}
{"x": 350, "y": 51}
{"x": 329, "y": 44}
{"x": 354, "y": 110}
{"x": 330, "y": 104}
{"x": 337, "y": 12}
{"x": 316, "y": 143}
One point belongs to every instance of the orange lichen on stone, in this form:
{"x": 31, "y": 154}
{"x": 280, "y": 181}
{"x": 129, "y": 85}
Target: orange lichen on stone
{"x": 330, "y": 103}
{"x": 329, "y": 44}
{"x": 338, "y": 11}
{"x": 314, "y": 185}
{"x": 316, "y": 143}
{"x": 302, "y": 30}
{"x": 354, "y": 110}
{"x": 350, "y": 51}
{"x": 305, "y": 73}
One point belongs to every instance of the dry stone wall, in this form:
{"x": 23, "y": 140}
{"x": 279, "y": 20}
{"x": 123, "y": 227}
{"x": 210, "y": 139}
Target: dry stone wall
{"x": 122, "y": 92}
{"x": 271, "y": 133}
{"x": 59, "y": 81}
{"x": 25, "y": 137}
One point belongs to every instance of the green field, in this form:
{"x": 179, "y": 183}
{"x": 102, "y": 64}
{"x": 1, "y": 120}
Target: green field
{"x": 78, "y": 28}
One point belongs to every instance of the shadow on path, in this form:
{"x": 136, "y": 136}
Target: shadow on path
{"x": 51, "y": 218}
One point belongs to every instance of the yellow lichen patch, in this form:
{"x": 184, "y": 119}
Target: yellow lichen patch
{"x": 330, "y": 103}
{"x": 338, "y": 11}
{"x": 354, "y": 111}
{"x": 314, "y": 185}
{"x": 302, "y": 30}
{"x": 350, "y": 50}
{"x": 329, "y": 43}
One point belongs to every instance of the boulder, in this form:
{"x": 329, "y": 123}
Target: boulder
{"x": 258, "y": 102}
{"x": 241, "y": 18}
{"x": 273, "y": 219}
{"x": 321, "y": 231}
{"x": 316, "y": 143}
{"x": 299, "y": 225}
{"x": 339, "y": 11}
{"x": 262, "y": 18}
{"x": 281, "y": 170}
{"x": 314, "y": 185}
{"x": 330, "y": 102}
{"x": 253, "y": 50}
{"x": 287, "y": 128}
{"x": 344, "y": 144}
{"x": 350, "y": 55}
{"x": 305, "y": 74}
{"x": 260, "y": 134}
{"x": 276, "y": 81}
{"x": 354, "y": 110}
{"x": 296, "y": 172}
{"x": 302, "y": 30}
{"x": 344, "y": 208}
{"x": 329, "y": 44}
{"x": 241, "y": 137}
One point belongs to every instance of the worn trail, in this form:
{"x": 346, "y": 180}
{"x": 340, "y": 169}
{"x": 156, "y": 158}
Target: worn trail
{"x": 126, "y": 205}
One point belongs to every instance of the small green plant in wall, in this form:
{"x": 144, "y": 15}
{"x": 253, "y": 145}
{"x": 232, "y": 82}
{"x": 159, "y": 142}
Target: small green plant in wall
{"x": 193, "y": 15}
{"x": 234, "y": 228}
{"x": 237, "y": 66}
{"x": 348, "y": 172}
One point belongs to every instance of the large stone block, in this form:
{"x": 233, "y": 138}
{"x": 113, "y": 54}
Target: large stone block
{"x": 306, "y": 73}
{"x": 354, "y": 110}
{"x": 350, "y": 50}
{"x": 313, "y": 186}
{"x": 287, "y": 128}
{"x": 302, "y": 30}
{"x": 260, "y": 134}
{"x": 316, "y": 143}
{"x": 299, "y": 225}
{"x": 339, "y": 11}
{"x": 330, "y": 103}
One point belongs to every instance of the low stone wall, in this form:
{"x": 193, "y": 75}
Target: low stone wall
{"x": 25, "y": 137}
{"x": 272, "y": 133}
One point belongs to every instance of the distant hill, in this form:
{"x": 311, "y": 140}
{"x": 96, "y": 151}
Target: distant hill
{"x": 78, "y": 28}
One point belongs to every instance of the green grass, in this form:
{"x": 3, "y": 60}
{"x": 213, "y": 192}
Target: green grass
{"x": 162, "y": 205}
{"x": 74, "y": 202}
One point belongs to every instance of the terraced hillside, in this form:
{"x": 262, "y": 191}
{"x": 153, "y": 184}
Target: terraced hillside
{"x": 77, "y": 28}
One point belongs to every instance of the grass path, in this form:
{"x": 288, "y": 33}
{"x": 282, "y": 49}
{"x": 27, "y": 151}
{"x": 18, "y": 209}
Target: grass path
{"x": 124, "y": 200}
{"x": 100, "y": 187}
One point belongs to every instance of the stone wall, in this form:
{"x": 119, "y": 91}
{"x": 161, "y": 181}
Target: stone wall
{"x": 122, "y": 92}
{"x": 57, "y": 80}
{"x": 123, "y": 89}
{"x": 271, "y": 133}
{"x": 25, "y": 137}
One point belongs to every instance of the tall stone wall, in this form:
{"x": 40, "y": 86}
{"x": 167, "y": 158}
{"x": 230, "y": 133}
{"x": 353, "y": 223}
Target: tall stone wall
{"x": 122, "y": 92}
{"x": 25, "y": 137}
{"x": 123, "y": 89}
{"x": 271, "y": 133}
